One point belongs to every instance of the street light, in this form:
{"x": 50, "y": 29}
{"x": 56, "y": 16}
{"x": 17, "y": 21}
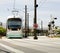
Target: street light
{"x": 49, "y": 25}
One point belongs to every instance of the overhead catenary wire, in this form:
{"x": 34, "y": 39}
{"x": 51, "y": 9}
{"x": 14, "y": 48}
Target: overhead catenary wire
{"x": 42, "y": 2}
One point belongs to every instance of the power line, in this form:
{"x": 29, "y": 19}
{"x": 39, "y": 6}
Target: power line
{"x": 42, "y": 2}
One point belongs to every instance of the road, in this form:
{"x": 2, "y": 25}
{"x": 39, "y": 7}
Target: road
{"x": 29, "y": 45}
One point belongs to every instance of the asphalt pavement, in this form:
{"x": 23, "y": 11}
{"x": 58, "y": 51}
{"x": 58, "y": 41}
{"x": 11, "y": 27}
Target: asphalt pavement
{"x": 29, "y": 45}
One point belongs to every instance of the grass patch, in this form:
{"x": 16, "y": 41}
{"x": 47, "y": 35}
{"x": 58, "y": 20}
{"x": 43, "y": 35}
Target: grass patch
{"x": 57, "y": 36}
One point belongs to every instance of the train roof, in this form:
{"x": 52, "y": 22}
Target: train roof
{"x": 15, "y": 19}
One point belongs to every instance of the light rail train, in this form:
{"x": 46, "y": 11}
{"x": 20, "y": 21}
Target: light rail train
{"x": 14, "y": 28}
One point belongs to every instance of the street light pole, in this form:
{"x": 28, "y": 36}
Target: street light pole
{"x": 35, "y": 18}
{"x": 25, "y": 21}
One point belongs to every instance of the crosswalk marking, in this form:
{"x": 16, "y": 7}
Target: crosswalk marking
{"x": 11, "y": 49}
{"x": 27, "y": 45}
{"x": 30, "y": 44}
{"x": 38, "y": 43}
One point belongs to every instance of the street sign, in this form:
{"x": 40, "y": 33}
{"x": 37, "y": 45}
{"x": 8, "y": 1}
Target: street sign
{"x": 35, "y": 25}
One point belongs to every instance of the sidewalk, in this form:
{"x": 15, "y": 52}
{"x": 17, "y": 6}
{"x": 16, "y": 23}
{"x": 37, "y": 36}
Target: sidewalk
{"x": 40, "y": 38}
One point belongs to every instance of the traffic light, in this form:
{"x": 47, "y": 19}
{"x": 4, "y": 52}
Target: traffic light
{"x": 36, "y": 5}
{"x": 55, "y": 18}
{"x": 49, "y": 25}
{"x": 52, "y": 22}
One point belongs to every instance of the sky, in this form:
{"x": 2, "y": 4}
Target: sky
{"x": 45, "y": 9}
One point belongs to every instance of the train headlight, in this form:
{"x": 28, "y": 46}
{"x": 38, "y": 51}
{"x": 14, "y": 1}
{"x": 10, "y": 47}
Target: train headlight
{"x": 9, "y": 29}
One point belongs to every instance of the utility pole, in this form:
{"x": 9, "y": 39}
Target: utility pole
{"x": 28, "y": 23}
{"x": 25, "y": 21}
{"x": 35, "y": 18}
{"x": 41, "y": 28}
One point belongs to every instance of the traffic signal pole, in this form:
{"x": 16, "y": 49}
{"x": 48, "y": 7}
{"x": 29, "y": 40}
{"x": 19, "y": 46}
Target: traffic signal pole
{"x": 35, "y": 18}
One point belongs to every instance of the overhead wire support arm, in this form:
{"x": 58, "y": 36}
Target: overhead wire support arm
{"x": 14, "y": 5}
{"x": 14, "y": 11}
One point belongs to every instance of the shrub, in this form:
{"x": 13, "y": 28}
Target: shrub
{"x": 2, "y": 31}
{"x": 57, "y": 31}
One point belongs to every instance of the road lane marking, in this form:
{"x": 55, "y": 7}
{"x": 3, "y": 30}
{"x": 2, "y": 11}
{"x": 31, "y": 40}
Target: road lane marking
{"x": 11, "y": 49}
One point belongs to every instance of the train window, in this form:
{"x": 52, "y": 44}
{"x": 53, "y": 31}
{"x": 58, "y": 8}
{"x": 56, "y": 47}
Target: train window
{"x": 14, "y": 24}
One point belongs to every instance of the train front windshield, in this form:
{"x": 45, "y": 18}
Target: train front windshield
{"x": 14, "y": 24}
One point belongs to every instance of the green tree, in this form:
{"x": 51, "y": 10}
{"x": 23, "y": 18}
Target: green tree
{"x": 2, "y": 31}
